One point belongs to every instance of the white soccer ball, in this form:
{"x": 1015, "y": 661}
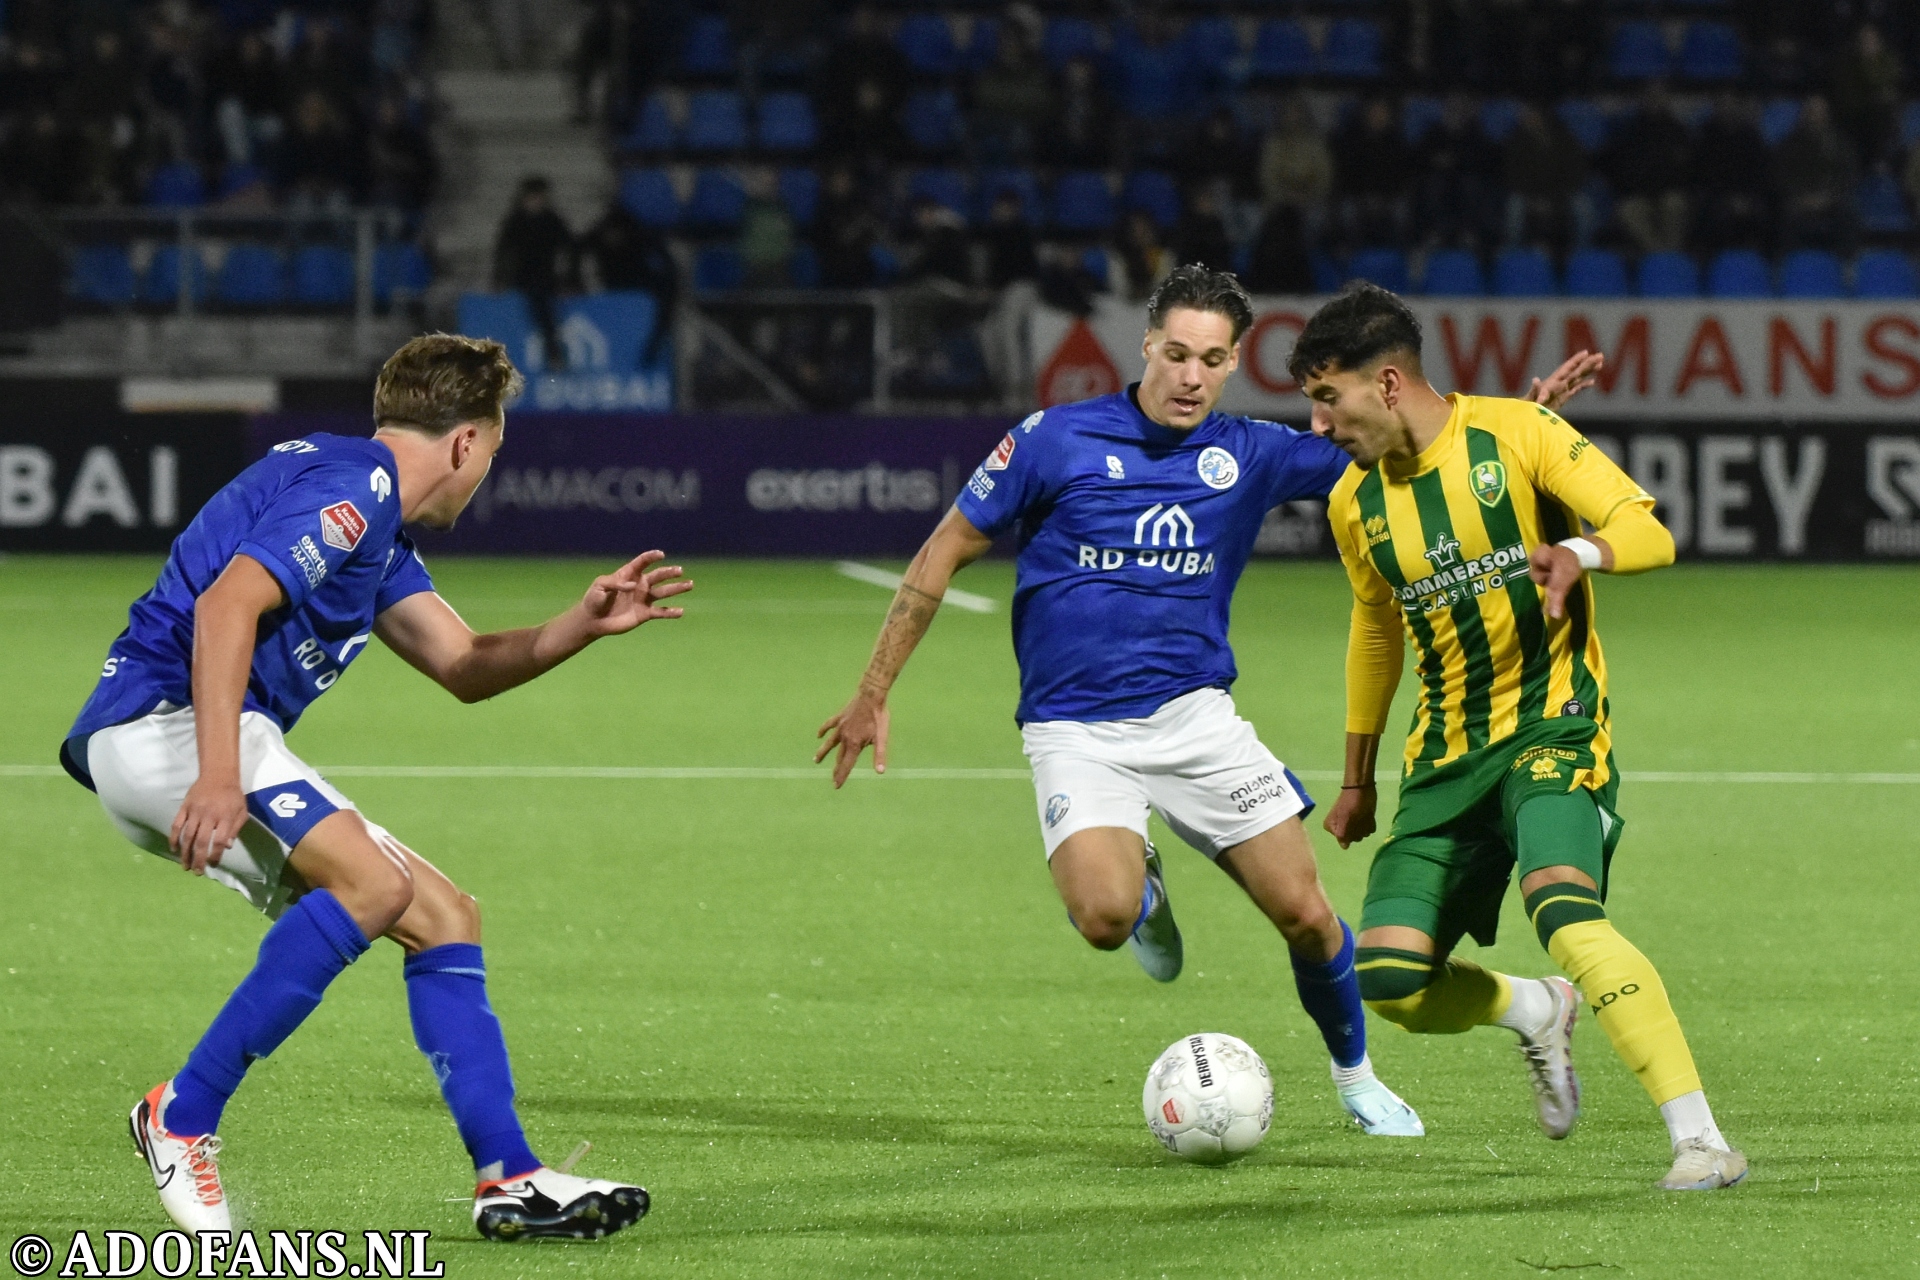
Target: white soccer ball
{"x": 1209, "y": 1098}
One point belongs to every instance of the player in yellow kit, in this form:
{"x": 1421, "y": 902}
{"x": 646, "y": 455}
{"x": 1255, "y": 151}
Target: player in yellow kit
{"x": 1459, "y": 523}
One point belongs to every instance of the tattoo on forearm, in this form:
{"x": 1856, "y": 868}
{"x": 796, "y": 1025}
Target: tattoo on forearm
{"x": 907, "y": 620}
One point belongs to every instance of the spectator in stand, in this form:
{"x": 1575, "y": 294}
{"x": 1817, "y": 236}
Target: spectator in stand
{"x": 1012, "y": 100}
{"x": 534, "y": 253}
{"x": 626, "y": 253}
{"x": 1008, "y": 241}
{"x": 1374, "y": 171}
{"x": 1201, "y": 234}
{"x": 244, "y": 86}
{"x": 1081, "y": 135}
{"x": 845, "y": 231}
{"x": 1732, "y": 179}
{"x": 861, "y": 84}
{"x": 1219, "y": 150}
{"x": 1142, "y": 257}
{"x": 321, "y": 162}
{"x": 106, "y": 83}
{"x": 322, "y": 63}
{"x": 401, "y": 167}
{"x": 1455, "y": 193}
{"x": 936, "y": 245}
{"x": 1296, "y": 167}
{"x": 866, "y": 130}
{"x": 1814, "y": 171}
{"x": 1279, "y": 261}
{"x": 1866, "y": 94}
{"x": 1566, "y": 43}
{"x": 1012, "y": 270}
{"x": 1650, "y": 164}
{"x": 38, "y": 160}
{"x": 1545, "y": 171}
{"x": 766, "y": 234}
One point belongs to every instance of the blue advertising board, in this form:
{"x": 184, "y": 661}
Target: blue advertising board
{"x": 606, "y": 336}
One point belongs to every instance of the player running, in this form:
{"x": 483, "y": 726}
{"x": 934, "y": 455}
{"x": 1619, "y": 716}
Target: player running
{"x": 264, "y": 601}
{"x": 1459, "y": 520}
{"x": 1136, "y": 513}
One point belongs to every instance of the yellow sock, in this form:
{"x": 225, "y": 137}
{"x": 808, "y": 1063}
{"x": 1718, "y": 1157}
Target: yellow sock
{"x": 1626, "y": 995}
{"x": 1462, "y": 996}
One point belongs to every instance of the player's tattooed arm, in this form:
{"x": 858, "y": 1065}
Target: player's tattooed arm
{"x": 864, "y": 721}
{"x": 226, "y": 620}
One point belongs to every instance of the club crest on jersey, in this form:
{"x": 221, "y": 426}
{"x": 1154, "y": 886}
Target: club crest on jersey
{"x": 1032, "y": 420}
{"x": 1217, "y": 467}
{"x": 1057, "y": 806}
{"x": 380, "y": 483}
{"x": 342, "y": 525}
{"x": 1444, "y": 551}
{"x": 1489, "y": 480}
{"x": 1002, "y": 454}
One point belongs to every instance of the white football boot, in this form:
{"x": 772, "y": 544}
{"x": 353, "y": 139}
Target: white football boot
{"x": 1378, "y": 1110}
{"x": 184, "y": 1169}
{"x": 1549, "y": 1054}
{"x": 1155, "y": 942}
{"x": 548, "y": 1203}
{"x": 1698, "y": 1166}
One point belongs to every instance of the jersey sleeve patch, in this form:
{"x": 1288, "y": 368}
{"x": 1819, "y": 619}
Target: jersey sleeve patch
{"x": 1002, "y": 454}
{"x": 342, "y": 525}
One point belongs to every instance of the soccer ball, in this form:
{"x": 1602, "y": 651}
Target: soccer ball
{"x": 1209, "y": 1098}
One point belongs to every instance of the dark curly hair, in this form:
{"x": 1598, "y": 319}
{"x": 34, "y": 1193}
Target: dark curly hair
{"x": 1198, "y": 289}
{"x": 1358, "y": 326}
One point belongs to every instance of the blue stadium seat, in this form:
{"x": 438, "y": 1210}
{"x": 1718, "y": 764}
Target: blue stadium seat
{"x": 654, "y": 130}
{"x": 932, "y": 120}
{"x": 1384, "y": 267}
{"x": 1096, "y": 264}
{"x": 161, "y": 284}
{"x": 1418, "y": 115}
{"x": 322, "y": 276}
{"x": 717, "y": 202}
{"x": 1082, "y": 201}
{"x": 1022, "y": 182}
{"x": 1883, "y": 209}
{"x": 800, "y": 195}
{"x": 237, "y": 178}
{"x": 1282, "y": 50}
{"x": 803, "y": 268}
{"x": 1453, "y": 273}
{"x": 1777, "y": 119}
{"x": 1638, "y": 51}
{"x": 1212, "y": 44}
{"x": 1150, "y": 83}
{"x": 1352, "y": 49}
{"x": 1065, "y": 39}
{"x": 945, "y": 187}
{"x": 1326, "y": 272}
{"x": 716, "y": 121}
{"x": 1812, "y": 273}
{"x": 1523, "y": 273}
{"x": 1155, "y": 192}
{"x": 176, "y": 186}
{"x": 1585, "y": 119}
{"x": 400, "y": 267}
{"x": 983, "y": 46}
{"x": 102, "y": 274}
{"x": 1739, "y": 273}
{"x": 1669, "y": 275}
{"x": 926, "y": 39}
{"x": 251, "y": 275}
{"x": 1910, "y": 123}
{"x": 1711, "y": 51}
{"x": 649, "y": 196}
{"x": 1885, "y": 273}
{"x": 1596, "y": 273}
{"x": 786, "y": 123}
{"x": 886, "y": 264}
{"x": 709, "y": 47}
{"x": 718, "y": 266}
{"x": 1498, "y": 116}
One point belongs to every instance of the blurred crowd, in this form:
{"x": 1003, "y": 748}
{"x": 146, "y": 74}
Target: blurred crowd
{"x": 243, "y": 105}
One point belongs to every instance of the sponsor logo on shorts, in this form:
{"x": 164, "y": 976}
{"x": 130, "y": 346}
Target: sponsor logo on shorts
{"x": 1545, "y": 768}
{"x": 1057, "y": 807}
{"x": 342, "y": 525}
{"x": 310, "y": 559}
{"x": 1249, "y": 796}
{"x": 286, "y": 804}
{"x": 1217, "y": 467}
{"x": 1001, "y": 455}
{"x": 1574, "y": 707}
{"x": 1543, "y": 760}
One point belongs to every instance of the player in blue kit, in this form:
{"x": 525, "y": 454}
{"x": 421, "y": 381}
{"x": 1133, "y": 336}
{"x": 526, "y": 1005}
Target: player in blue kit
{"x": 265, "y": 599}
{"x": 1135, "y": 515}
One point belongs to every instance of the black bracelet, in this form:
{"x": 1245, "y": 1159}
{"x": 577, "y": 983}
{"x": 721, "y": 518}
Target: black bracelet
{"x": 1355, "y": 786}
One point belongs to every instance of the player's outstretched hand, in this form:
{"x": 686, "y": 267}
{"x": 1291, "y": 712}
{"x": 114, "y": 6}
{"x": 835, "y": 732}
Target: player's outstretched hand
{"x": 1556, "y": 569}
{"x": 861, "y": 723}
{"x": 629, "y": 596}
{"x": 1568, "y": 381}
{"x": 1351, "y": 819}
{"x": 209, "y": 821}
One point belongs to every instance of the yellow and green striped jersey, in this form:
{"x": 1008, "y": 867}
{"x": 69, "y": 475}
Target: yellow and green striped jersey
{"x": 1440, "y": 543}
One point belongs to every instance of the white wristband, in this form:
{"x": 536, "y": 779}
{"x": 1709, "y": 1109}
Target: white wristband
{"x": 1585, "y": 552}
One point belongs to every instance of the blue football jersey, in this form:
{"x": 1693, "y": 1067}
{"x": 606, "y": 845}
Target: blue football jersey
{"x": 1132, "y": 536}
{"x": 322, "y": 514}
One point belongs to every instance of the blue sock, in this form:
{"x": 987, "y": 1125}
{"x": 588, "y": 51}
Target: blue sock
{"x": 1330, "y": 993}
{"x": 1148, "y": 901}
{"x": 306, "y": 949}
{"x": 455, "y": 1027}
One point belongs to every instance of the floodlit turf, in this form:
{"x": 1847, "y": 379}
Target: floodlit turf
{"x": 854, "y": 1034}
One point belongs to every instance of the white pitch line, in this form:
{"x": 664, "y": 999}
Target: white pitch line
{"x": 644, "y": 773}
{"x": 891, "y": 581}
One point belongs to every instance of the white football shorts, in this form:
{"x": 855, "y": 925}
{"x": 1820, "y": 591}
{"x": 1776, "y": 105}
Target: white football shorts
{"x": 1194, "y": 762}
{"x": 142, "y": 769}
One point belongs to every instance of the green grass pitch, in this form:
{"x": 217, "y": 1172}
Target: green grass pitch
{"x": 853, "y": 1034}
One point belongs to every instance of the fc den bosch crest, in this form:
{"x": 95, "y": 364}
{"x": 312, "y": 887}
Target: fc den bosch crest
{"x": 1489, "y": 482}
